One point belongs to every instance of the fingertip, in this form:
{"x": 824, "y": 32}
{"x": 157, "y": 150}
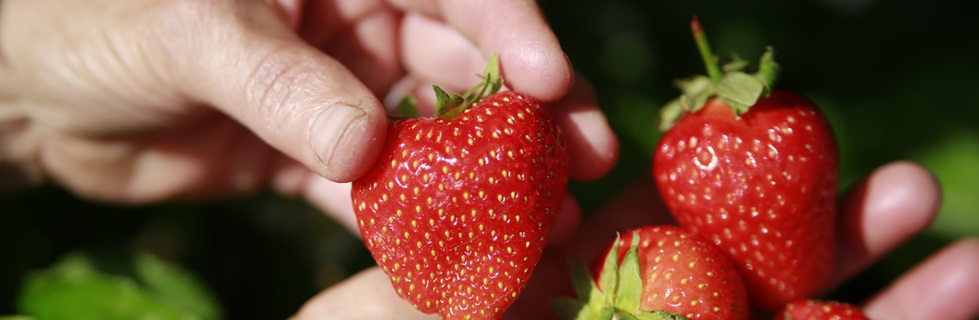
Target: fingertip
{"x": 592, "y": 144}
{"x": 892, "y": 204}
{"x": 531, "y": 57}
{"x": 536, "y": 69}
{"x": 909, "y": 181}
{"x": 347, "y": 139}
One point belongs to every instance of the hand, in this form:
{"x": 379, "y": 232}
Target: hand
{"x": 894, "y": 203}
{"x": 152, "y": 100}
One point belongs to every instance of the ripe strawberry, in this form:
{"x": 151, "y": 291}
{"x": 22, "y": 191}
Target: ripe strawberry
{"x": 458, "y": 207}
{"x": 659, "y": 272}
{"x": 756, "y": 174}
{"x": 820, "y": 310}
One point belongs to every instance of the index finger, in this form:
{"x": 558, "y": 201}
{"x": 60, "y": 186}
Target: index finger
{"x": 531, "y": 56}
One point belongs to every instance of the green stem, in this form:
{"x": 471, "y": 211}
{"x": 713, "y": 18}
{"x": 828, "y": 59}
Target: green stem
{"x": 698, "y": 35}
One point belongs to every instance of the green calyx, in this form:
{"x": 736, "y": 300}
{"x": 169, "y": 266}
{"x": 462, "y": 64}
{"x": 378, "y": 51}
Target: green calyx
{"x": 730, "y": 83}
{"x": 450, "y": 105}
{"x": 621, "y": 292}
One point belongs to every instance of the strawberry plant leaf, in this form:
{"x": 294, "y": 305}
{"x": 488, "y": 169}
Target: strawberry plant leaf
{"x": 628, "y": 293}
{"x": 736, "y": 64}
{"x": 659, "y": 315}
{"x": 447, "y": 105}
{"x": 408, "y": 107}
{"x": 175, "y": 286}
{"x": 581, "y": 280}
{"x": 74, "y": 288}
{"x": 696, "y": 90}
{"x": 670, "y": 113}
{"x": 740, "y": 90}
{"x": 569, "y": 309}
{"x": 610, "y": 274}
{"x": 607, "y": 313}
{"x": 767, "y": 69}
{"x": 626, "y": 316}
{"x": 590, "y": 302}
{"x": 492, "y": 81}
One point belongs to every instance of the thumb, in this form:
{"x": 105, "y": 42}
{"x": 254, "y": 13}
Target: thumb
{"x": 252, "y": 67}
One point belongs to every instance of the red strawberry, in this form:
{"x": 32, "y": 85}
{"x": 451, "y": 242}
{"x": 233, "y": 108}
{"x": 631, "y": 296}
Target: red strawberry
{"x": 663, "y": 271}
{"x": 756, "y": 174}
{"x": 458, "y": 208}
{"x": 820, "y": 310}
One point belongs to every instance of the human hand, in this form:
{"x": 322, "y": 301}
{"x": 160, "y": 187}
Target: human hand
{"x": 893, "y": 204}
{"x": 142, "y": 101}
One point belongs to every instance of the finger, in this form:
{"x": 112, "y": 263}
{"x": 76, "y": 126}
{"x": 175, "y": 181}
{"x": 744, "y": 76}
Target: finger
{"x": 894, "y": 203}
{"x": 205, "y": 160}
{"x": 943, "y": 287}
{"x": 305, "y": 104}
{"x": 435, "y": 53}
{"x": 366, "y": 295}
{"x": 361, "y": 34}
{"x": 531, "y": 58}
{"x": 427, "y": 7}
{"x": 592, "y": 145}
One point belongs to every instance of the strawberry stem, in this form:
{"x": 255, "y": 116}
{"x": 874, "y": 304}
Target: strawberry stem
{"x": 713, "y": 71}
{"x": 450, "y": 105}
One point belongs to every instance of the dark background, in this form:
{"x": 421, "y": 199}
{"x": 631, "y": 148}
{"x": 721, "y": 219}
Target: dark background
{"x": 896, "y": 78}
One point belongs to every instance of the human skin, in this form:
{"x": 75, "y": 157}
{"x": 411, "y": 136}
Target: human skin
{"x": 151, "y": 100}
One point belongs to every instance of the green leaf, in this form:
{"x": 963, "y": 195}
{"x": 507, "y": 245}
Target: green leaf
{"x": 492, "y": 81}
{"x": 408, "y": 107}
{"x": 695, "y": 85}
{"x": 17, "y": 317}
{"x": 628, "y": 293}
{"x": 591, "y": 302}
{"x": 670, "y": 113}
{"x": 659, "y": 315}
{"x": 568, "y": 308}
{"x": 142, "y": 287}
{"x": 176, "y": 287}
{"x": 581, "y": 279}
{"x": 447, "y": 105}
{"x": 767, "y": 69}
{"x": 740, "y": 91}
{"x": 736, "y": 64}
{"x": 607, "y": 313}
{"x": 609, "y": 277}
{"x": 73, "y": 289}
{"x": 626, "y": 316}
{"x": 696, "y": 90}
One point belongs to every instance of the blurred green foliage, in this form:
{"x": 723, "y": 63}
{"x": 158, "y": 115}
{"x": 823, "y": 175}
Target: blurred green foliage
{"x": 897, "y": 79}
{"x": 142, "y": 287}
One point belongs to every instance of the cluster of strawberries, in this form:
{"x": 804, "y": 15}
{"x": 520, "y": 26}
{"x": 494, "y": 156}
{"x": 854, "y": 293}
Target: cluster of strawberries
{"x": 458, "y": 208}
{"x": 750, "y": 175}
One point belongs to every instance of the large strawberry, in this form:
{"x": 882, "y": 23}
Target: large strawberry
{"x": 754, "y": 171}
{"x": 820, "y": 310}
{"x": 658, "y": 272}
{"x": 458, "y": 208}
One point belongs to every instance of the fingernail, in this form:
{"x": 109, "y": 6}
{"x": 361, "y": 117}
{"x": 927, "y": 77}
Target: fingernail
{"x": 335, "y": 139}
